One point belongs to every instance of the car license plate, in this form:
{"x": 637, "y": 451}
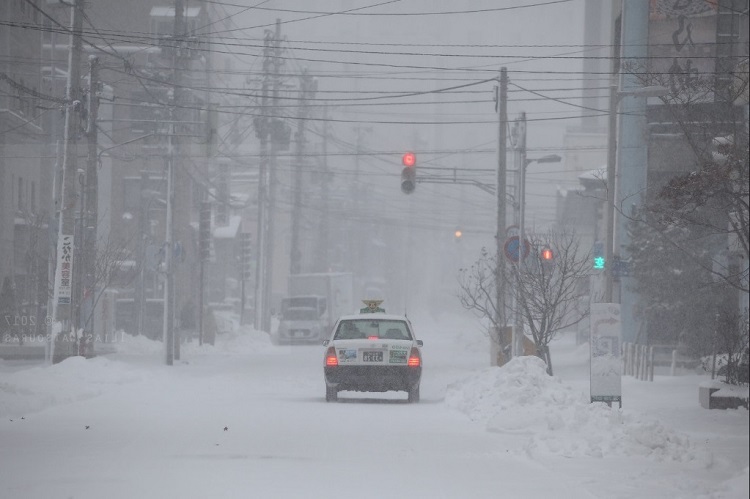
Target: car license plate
{"x": 372, "y": 356}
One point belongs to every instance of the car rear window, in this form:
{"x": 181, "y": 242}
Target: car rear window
{"x": 368, "y": 328}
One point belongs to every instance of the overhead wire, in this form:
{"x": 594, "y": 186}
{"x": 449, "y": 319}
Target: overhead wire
{"x": 385, "y": 97}
{"x": 375, "y": 14}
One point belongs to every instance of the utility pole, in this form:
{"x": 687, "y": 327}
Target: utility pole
{"x": 168, "y": 319}
{"x": 261, "y": 131}
{"x": 273, "y": 171}
{"x": 502, "y": 112}
{"x": 321, "y": 253}
{"x": 267, "y": 127}
{"x": 355, "y": 223}
{"x": 306, "y": 88}
{"x": 517, "y": 341}
{"x": 169, "y": 292}
{"x": 80, "y": 242}
{"x": 89, "y": 229}
{"x": 62, "y": 304}
{"x": 144, "y": 229}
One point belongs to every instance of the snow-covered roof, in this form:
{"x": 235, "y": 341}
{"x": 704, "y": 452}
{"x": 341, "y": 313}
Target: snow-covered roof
{"x": 595, "y": 174}
{"x": 169, "y": 11}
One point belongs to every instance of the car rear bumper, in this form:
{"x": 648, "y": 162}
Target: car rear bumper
{"x": 373, "y": 378}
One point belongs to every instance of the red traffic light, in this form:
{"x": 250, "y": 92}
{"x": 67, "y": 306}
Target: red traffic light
{"x": 546, "y": 254}
{"x": 409, "y": 159}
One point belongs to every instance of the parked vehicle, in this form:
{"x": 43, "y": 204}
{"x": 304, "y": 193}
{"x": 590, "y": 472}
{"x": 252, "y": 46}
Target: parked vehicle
{"x": 314, "y": 303}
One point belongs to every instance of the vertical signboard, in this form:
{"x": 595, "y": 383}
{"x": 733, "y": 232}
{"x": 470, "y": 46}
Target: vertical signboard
{"x": 64, "y": 270}
{"x": 682, "y": 44}
{"x": 606, "y": 353}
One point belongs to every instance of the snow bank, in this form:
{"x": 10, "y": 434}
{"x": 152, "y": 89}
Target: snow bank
{"x": 72, "y": 380}
{"x": 739, "y": 486}
{"x": 240, "y": 341}
{"x": 520, "y": 398}
{"x": 75, "y": 379}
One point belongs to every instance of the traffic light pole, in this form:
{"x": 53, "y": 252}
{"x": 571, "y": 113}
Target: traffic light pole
{"x": 613, "y": 184}
{"x": 611, "y": 172}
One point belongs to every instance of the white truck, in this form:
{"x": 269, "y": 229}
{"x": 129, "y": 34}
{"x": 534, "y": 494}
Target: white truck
{"x": 314, "y": 303}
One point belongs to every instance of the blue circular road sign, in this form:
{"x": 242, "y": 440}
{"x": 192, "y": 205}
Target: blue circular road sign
{"x": 511, "y": 248}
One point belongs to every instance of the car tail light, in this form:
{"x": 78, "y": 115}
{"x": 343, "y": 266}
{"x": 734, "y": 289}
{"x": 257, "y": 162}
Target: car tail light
{"x": 415, "y": 360}
{"x": 373, "y": 337}
{"x": 331, "y": 359}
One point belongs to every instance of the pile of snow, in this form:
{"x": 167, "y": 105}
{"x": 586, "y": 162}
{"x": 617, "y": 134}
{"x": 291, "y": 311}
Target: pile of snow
{"x": 520, "y": 398}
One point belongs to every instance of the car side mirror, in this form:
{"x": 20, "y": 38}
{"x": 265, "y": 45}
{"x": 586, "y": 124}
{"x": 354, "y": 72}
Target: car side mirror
{"x": 325, "y": 343}
{"x": 420, "y": 343}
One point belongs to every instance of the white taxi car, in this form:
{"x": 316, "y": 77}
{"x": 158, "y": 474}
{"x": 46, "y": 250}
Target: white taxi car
{"x": 373, "y": 352}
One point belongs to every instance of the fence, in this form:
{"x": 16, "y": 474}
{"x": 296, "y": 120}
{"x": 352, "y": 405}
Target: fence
{"x": 638, "y": 361}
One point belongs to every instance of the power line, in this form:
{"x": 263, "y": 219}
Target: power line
{"x": 399, "y": 14}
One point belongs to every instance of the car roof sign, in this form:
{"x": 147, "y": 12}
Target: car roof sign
{"x": 372, "y": 306}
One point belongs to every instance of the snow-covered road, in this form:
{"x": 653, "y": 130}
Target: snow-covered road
{"x": 247, "y": 419}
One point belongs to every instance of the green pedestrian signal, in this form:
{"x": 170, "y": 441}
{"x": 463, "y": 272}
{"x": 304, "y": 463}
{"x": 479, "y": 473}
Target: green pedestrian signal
{"x": 599, "y": 258}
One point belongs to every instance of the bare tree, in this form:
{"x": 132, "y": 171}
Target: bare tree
{"x": 477, "y": 292}
{"x": 549, "y": 292}
{"x": 110, "y": 255}
{"x": 731, "y": 338}
{"x": 690, "y": 249}
{"x": 712, "y": 194}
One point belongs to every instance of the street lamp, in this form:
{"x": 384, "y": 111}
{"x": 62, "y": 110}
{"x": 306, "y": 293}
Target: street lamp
{"x": 550, "y": 158}
{"x": 615, "y": 95}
